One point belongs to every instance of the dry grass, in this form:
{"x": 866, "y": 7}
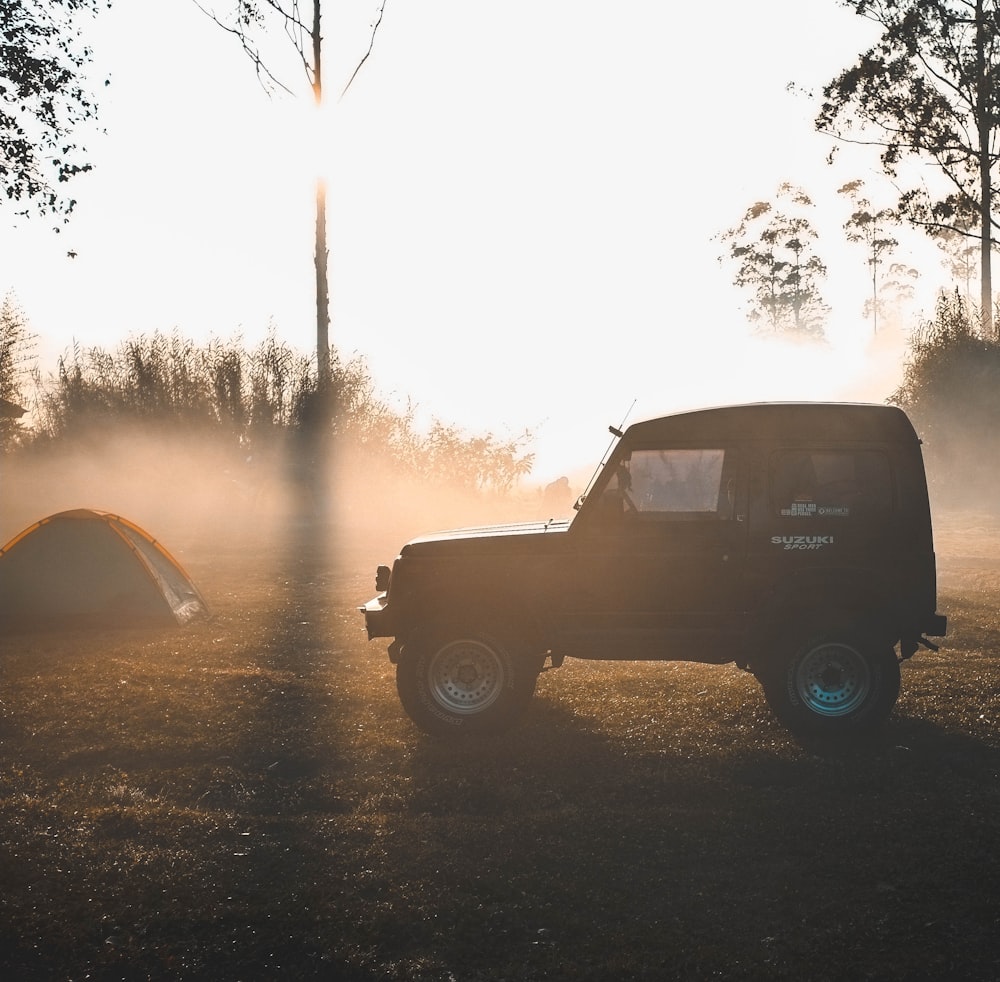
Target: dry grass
{"x": 243, "y": 799}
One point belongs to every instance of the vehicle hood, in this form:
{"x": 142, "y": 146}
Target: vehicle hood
{"x": 513, "y": 536}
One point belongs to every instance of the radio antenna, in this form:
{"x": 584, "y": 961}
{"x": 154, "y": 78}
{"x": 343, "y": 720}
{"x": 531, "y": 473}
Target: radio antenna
{"x": 617, "y": 432}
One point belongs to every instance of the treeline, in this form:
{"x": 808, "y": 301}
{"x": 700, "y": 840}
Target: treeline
{"x": 249, "y": 404}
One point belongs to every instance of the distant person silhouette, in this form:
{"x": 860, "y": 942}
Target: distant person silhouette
{"x": 557, "y": 498}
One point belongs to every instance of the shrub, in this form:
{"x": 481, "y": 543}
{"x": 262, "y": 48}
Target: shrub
{"x": 949, "y": 390}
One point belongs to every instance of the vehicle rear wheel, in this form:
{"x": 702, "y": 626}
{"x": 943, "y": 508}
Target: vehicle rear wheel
{"x": 833, "y": 684}
{"x": 463, "y": 682}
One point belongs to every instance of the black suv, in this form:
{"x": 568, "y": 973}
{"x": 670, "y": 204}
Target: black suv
{"x": 792, "y": 539}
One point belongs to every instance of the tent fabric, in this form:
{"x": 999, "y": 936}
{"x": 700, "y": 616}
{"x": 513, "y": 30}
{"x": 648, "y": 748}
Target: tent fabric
{"x": 87, "y": 565}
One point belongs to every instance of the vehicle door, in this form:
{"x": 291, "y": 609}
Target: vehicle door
{"x": 659, "y": 560}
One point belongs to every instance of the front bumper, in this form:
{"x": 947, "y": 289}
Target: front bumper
{"x": 378, "y": 620}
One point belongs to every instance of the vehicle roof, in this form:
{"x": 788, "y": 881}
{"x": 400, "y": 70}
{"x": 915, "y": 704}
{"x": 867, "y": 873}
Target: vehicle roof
{"x": 808, "y": 421}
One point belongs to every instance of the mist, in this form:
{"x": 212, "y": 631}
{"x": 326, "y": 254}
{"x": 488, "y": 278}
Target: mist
{"x": 197, "y": 498}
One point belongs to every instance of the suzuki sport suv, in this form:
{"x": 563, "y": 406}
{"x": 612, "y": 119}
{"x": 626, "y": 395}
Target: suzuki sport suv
{"x": 792, "y": 539}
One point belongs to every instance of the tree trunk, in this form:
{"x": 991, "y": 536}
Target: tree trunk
{"x": 322, "y": 254}
{"x": 874, "y": 295}
{"x": 322, "y": 290}
{"x": 983, "y": 111}
{"x": 986, "y": 296}
{"x": 317, "y": 428}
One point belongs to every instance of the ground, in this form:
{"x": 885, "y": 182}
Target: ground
{"x": 243, "y": 798}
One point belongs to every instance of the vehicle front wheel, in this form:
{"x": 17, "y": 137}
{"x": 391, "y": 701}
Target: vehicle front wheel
{"x": 833, "y": 684}
{"x": 463, "y": 683}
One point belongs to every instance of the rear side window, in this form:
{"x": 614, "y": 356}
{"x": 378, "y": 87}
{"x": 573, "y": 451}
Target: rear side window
{"x": 830, "y": 483}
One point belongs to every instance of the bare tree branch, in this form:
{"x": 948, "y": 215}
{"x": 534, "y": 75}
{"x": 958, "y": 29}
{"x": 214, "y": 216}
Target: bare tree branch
{"x": 268, "y": 81}
{"x": 371, "y": 44}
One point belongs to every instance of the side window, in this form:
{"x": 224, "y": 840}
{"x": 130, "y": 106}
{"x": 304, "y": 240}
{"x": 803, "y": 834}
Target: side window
{"x": 672, "y": 484}
{"x": 830, "y": 483}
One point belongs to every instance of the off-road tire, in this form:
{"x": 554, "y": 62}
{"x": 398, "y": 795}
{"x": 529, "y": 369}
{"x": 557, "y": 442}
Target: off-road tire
{"x": 462, "y": 682}
{"x": 832, "y": 684}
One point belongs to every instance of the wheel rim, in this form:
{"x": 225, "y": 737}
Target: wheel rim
{"x": 833, "y": 679}
{"x": 466, "y": 677}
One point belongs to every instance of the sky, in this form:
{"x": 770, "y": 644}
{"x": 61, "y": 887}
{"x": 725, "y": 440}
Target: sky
{"x": 524, "y": 202}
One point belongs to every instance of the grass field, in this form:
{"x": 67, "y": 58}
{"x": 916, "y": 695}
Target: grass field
{"x": 244, "y": 799}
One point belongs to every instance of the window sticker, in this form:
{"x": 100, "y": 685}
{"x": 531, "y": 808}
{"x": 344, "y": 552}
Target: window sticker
{"x": 807, "y": 509}
{"x": 800, "y": 509}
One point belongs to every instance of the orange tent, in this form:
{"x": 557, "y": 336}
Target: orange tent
{"x": 92, "y": 567}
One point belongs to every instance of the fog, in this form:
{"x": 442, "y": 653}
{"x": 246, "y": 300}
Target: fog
{"x": 196, "y": 499}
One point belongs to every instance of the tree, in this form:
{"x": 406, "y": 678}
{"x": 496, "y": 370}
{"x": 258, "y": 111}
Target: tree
{"x": 949, "y": 390}
{"x": 43, "y": 100}
{"x": 775, "y": 261}
{"x": 896, "y": 289}
{"x": 929, "y": 89}
{"x": 17, "y": 345}
{"x": 868, "y": 227}
{"x": 251, "y": 22}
